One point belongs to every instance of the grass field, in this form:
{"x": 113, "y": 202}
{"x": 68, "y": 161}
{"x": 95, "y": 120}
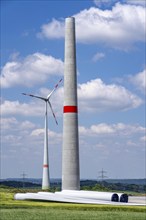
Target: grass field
{"x": 35, "y": 210}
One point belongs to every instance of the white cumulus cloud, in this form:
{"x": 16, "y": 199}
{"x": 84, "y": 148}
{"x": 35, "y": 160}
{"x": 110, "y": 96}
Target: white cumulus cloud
{"x": 143, "y": 139}
{"x": 136, "y": 2}
{"x": 34, "y": 107}
{"x": 119, "y": 129}
{"x": 119, "y": 27}
{"x": 33, "y": 69}
{"x": 24, "y": 133}
{"x": 98, "y": 56}
{"x": 95, "y": 95}
{"x": 139, "y": 80}
{"x": 17, "y": 108}
{"x": 51, "y": 134}
{"x": 100, "y": 3}
{"x": 11, "y": 123}
{"x": 54, "y": 29}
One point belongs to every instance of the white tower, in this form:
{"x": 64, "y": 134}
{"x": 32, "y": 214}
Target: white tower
{"x": 70, "y": 157}
{"x": 46, "y": 176}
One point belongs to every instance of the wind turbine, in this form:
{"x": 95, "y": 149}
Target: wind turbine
{"x": 46, "y": 179}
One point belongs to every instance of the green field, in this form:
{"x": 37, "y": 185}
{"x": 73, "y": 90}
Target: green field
{"x": 35, "y": 210}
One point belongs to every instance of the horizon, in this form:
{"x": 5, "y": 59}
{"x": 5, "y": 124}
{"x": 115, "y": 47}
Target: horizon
{"x": 86, "y": 179}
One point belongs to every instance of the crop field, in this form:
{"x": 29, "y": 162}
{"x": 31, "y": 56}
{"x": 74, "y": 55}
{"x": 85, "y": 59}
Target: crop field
{"x": 36, "y": 210}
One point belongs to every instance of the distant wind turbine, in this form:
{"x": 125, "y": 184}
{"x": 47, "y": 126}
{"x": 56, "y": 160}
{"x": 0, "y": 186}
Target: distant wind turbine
{"x": 46, "y": 179}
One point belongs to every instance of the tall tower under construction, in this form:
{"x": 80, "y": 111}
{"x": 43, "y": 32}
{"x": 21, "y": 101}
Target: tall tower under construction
{"x": 70, "y": 152}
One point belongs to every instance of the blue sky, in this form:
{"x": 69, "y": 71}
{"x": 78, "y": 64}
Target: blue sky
{"x": 110, "y": 47}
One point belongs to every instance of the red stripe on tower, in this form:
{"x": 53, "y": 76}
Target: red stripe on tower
{"x": 70, "y": 109}
{"x": 45, "y": 165}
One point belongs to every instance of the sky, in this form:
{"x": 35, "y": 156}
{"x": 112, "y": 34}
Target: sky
{"x": 111, "y": 74}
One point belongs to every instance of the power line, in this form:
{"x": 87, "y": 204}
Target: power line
{"x": 23, "y": 178}
{"x": 102, "y": 176}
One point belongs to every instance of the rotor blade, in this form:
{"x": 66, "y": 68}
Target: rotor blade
{"x": 38, "y": 97}
{"x": 53, "y": 112}
{"x": 56, "y": 86}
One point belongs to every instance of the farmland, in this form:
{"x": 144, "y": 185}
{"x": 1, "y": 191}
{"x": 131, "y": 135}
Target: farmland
{"x": 12, "y": 209}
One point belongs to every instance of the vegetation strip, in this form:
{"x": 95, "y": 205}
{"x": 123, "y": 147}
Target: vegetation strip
{"x": 58, "y": 214}
{"x": 8, "y": 202}
{"x": 35, "y": 210}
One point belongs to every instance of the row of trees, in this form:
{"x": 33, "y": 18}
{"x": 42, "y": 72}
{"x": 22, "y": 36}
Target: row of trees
{"x": 85, "y": 185}
{"x": 105, "y": 186}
